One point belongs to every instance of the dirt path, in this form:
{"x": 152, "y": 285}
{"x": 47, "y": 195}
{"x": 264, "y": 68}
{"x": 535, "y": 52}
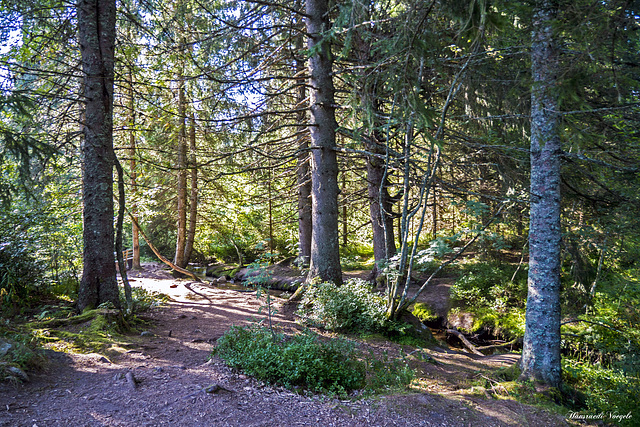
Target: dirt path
{"x": 171, "y": 372}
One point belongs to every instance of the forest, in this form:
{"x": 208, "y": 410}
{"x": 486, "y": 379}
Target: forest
{"x": 469, "y": 165}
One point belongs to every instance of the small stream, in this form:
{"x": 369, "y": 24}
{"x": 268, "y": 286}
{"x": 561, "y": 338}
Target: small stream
{"x": 232, "y": 285}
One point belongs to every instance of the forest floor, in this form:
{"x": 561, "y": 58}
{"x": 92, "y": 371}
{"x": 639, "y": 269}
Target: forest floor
{"x": 160, "y": 378}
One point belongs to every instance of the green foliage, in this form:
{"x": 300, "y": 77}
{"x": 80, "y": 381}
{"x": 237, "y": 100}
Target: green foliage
{"x": 306, "y": 362}
{"x": 607, "y": 390}
{"x": 356, "y": 256}
{"x": 350, "y": 307}
{"x": 388, "y": 372}
{"x": 39, "y": 242}
{"x": 609, "y": 333}
{"x": 424, "y": 312}
{"x": 495, "y": 301}
{"x": 259, "y": 276}
{"x": 20, "y": 270}
{"x": 17, "y": 349}
{"x": 300, "y": 361}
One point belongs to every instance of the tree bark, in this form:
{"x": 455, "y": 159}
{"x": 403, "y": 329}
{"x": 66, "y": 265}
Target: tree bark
{"x": 380, "y": 202}
{"x": 325, "y": 250}
{"x": 96, "y": 33}
{"x": 541, "y": 346}
{"x": 193, "y": 194}
{"x": 181, "y": 167}
{"x": 135, "y": 238}
{"x": 302, "y": 173}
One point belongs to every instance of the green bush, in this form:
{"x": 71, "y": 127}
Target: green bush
{"x": 607, "y": 390}
{"x": 300, "y": 361}
{"x": 20, "y": 273}
{"x": 486, "y": 285}
{"x": 305, "y": 362}
{"x": 350, "y": 307}
{"x": 386, "y": 373}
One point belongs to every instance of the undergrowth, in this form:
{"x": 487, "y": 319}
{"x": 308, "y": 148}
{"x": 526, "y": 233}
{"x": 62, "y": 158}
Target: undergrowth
{"x": 305, "y": 362}
{"x": 496, "y": 301}
{"x": 18, "y": 350}
{"x": 352, "y": 307}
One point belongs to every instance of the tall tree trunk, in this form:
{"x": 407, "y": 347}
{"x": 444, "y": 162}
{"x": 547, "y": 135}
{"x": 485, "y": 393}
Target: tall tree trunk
{"x": 181, "y": 167}
{"x": 345, "y": 213}
{"x": 325, "y": 250}
{"x": 96, "y": 32}
{"x": 302, "y": 172}
{"x": 541, "y": 347}
{"x": 380, "y": 208}
{"x": 193, "y": 194}
{"x": 380, "y": 202}
{"x": 135, "y": 238}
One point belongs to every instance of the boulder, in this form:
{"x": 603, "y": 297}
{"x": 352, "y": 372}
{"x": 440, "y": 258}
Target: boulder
{"x": 418, "y": 329}
{"x": 4, "y": 347}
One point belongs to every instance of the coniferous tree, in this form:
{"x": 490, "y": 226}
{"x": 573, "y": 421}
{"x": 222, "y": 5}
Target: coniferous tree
{"x": 541, "y": 347}
{"x": 97, "y": 28}
{"x": 325, "y": 251}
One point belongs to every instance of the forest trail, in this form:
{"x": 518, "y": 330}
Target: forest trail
{"x": 162, "y": 378}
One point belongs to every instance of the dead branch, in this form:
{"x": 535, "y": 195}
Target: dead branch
{"x": 159, "y": 255}
{"x": 494, "y": 346}
{"x": 465, "y": 341}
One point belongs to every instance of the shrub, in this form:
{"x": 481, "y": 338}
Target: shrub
{"x": 424, "y": 312}
{"x": 350, "y": 307}
{"x": 304, "y": 361}
{"x": 607, "y": 390}
{"x": 20, "y": 273}
{"x": 300, "y": 361}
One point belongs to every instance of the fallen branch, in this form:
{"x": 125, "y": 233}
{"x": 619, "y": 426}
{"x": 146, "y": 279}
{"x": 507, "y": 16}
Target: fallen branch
{"x": 159, "y": 255}
{"x": 506, "y": 344}
{"x": 465, "y": 341}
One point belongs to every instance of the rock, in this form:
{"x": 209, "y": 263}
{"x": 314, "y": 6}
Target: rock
{"x": 146, "y": 334}
{"x": 215, "y": 388}
{"x": 275, "y": 277}
{"x": 4, "y": 347}
{"x": 18, "y": 373}
{"x": 221, "y": 279}
{"x": 462, "y": 321}
{"x": 418, "y": 329}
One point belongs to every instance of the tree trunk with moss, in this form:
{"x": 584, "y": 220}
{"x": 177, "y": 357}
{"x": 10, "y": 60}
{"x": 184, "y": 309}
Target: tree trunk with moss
{"x": 96, "y": 33}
